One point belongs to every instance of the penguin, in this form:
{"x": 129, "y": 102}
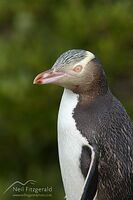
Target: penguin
{"x": 95, "y": 134}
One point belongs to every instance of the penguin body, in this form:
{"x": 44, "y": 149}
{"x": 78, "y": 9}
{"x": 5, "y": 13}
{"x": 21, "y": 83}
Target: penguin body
{"x": 95, "y": 134}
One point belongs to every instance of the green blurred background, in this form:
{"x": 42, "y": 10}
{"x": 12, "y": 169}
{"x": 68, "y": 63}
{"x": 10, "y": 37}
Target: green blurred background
{"x": 33, "y": 33}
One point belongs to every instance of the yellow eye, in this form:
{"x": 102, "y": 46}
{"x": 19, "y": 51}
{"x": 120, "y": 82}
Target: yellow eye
{"x": 78, "y": 68}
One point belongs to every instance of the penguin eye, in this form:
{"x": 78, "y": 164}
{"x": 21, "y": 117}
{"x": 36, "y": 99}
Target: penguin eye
{"x": 78, "y": 68}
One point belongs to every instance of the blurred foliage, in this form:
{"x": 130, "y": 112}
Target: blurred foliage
{"x": 32, "y": 35}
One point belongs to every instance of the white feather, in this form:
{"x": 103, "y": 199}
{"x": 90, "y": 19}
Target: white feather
{"x": 70, "y": 143}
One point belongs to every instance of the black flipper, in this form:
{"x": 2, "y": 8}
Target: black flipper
{"x": 91, "y": 181}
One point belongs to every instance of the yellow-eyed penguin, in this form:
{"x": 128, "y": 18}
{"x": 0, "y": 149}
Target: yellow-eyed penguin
{"x": 94, "y": 131}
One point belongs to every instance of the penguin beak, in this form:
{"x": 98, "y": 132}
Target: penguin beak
{"x": 50, "y": 76}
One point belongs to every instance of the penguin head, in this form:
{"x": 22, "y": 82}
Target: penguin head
{"x": 76, "y": 70}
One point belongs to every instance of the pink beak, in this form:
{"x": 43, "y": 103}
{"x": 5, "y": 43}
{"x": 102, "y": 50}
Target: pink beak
{"x": 49, "y": 76}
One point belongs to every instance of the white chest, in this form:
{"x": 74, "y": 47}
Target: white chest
{"x": 70, "y": 143}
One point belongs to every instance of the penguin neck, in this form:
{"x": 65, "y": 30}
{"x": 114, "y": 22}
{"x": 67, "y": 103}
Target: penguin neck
{"x": 82, "y": 99}
{"x": 91, "y": 92}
